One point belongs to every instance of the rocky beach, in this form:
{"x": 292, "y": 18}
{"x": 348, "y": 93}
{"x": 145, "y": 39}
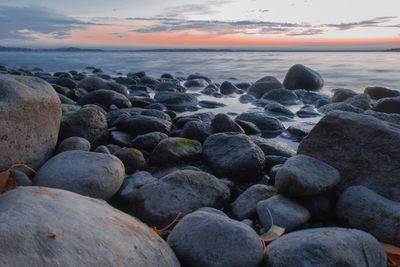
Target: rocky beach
{"x": 112, "y": 169}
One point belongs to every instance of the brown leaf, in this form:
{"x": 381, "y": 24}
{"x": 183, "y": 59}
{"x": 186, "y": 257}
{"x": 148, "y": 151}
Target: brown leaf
{"x": 273, "y": 233}
{"x": 53, "y": 235}
{"x": 393, "y": 254}
{"x": 7, "y": 182}
{"x": 174, "y": 221}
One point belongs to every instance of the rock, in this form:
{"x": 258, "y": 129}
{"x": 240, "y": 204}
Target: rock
{"x": 87, "y": 173}
{"x": 95, "y": 83}
{"x": 141, "y": 124}
{"x": 198, "y": 76}
{"x": 66, "y": 100}
{"x": 302, "y": 77}
{"x": 120, "y": 138}
{"x": 76, "y": 93}
{"x": 132, "y": 159}
{"x": 380, "y": 92}
{"x": 245, "y": 205}
{"x": 175, "y": 151}
{"x": 196, "y": 130}
{"x": 204, "y": 239}
{"x": 199, "y": 83}
{"x": 227, "y": 88}
{"x": 364, "y": 209}
{"x": 105, "y": 98}
{"x": 341, "y": 94}
{"x": 269, "y": 126}
{"x": 273, "y": 147}
{"x": 311, "y": 98}
{"x": 181, "y": 191}
{"x": 211, "y": 104}
{"x": 278, "y": 110}
{"x": 305, "y": 176}
{"x": 234, "y": 156}
{"x": 88, "y": 123}
{"x": 342, "y": 106}
{"x": 282, "y": 212}
{"x": 264, "y": 85}
{"x": 139, "y": 74}
{"x": 243, "y": 85}
{"x": 364, "y": 162}
{"x": 246, "y": 98}
{"x": 249, "y": 127}
{"x": 102, "y": 149}
{"x": 388, "y": 117}
{"x": 298, "y": 132}
{"x": 133, "y": 182}
{"x": 149, "y": 141}
{"x": 361, "y": 101}
{"x": 282, "y": 96}
{"x": 74, "y": 143}
{"x": 177, "y": 101}
{"x": 223, "y": 123}
{"x": 58, "y": 228}
{"x": 166, "y": 76}
{"x": 66, "y": 82}
{"x": 115, "y": 116}
{"x": 326, "y": 247}
{"x": 30, "y": 114}
{"x": 21, "y": 178}
{"x": 388, "y": 105}
{"x": 169, "y": 87}
{"x": 307, "y": 112}
{"x": 209, "y": 90}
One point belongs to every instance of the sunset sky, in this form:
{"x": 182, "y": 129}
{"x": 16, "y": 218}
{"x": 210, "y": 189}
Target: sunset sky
{"x": 201, "y": 23}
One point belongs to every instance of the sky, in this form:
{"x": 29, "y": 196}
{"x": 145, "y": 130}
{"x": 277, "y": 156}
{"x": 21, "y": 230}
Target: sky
{"x": 355, "y": 24}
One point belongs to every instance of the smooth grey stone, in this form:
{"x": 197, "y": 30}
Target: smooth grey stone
{"x": 380, "y": 92}
{"x": 341, "y": 94}
{"x": 388, "y": 105}
{"x": 282, "y": 96}
{"x": 223, "y": 123}
{"x": 302, "y": 77}
{"x": 269, "y": 126}
{"x": 264, "y": 85}
{"x": 273, "y": 147}
{"x": 132, "y": 159}
{"x": 96, "y": 83}
{"x": 74, "y": 143}
{"x": 149, "y": 141}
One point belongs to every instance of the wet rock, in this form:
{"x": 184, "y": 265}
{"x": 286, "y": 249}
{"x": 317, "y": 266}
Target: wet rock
{"x": 74, "y": 143}
{"x": 298, "y": 132}
{"x": 196, "y": 130}
{"x": 76, "y": 93}
{"x": 243, "y": 85}
{"x": 249, "y": 127}
{"x": 245, "y": 205}
{"x": 273, "y": 147}
{"x": 361, "y": 101}
{"x": 87, "y": 173}
{"x": 210, "y": 104}
{"x": 105, "y": 98}
{"x": 209, "y": 90}
{"x": 66, "y": 82}
{"x": 388, "y": 117}
{"x": 133, "y": 183}
{"x": 282, "y": 96}
{"x": 364, "y": 162}
{"x": 177, "y": 101}
{"x": 66, "y": 100}
{"x": 305, "y": 176}
{"x": 169, "y": 87}
{"x": 311, "y": 98}
{"x": 269, "y": 126}
{"x": 120, "y": 138}
{"x": 190, "y": 240}
{"x": 199, "y": 83}
{"x": 341, "y": 94}
{"x": 139, "y": 74}
{"x": 302, "y": 77}
{"x": 388, "y": 105}
{"x": 364, "y": 209}
{"x": 132, "y": 159}
{"x": 21, "y": 178}
{"x": 264, "y": 85}
{"x": 283, "y": 212}
{"x": 149, "y": 141}
{"x": 198, "y": 76}
{"x": 175, "y": 151}
{"x": 181, "y": 191}
{"x": 380, "y": 92}
{"x": 234, "y": 156}
{"x": 30, "y": 114}
{"x": 64, "y": 225}
{"x": 95, "y": 83}
{"x": 342, "y": 106}
{"x": 227, "y": 88}
{"x": 278, "y": 110}
{"x": 326, "y": 247}
{"x": 223, "y": 123}
{"x": 141, "y": 124}
{"x": 307, "y": 112}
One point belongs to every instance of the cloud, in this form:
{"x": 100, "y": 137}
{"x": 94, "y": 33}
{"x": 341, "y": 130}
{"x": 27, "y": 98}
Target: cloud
{"x": 26, "y": 22}
{"x": 183, "y": 11}
{"x": 375, "y": 22}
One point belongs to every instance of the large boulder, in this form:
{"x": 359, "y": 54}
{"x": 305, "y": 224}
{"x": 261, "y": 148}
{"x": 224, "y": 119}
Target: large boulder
{"x": 302, "y": 77}
{"x": 181, "y": 191}
{"x": 234, "y": 156}
{"x": 269, "y": 126}
{"x": 51, "y": 227}
{"x": 91, "y": 174}
{"x": 326, "y": 247}
{"x": 362, "y": 148}
{"x": 364, "y": 209}
{"x": 302, "y": 175}
{"x": 209, "y": 239}
{"x": 30, "y": 115}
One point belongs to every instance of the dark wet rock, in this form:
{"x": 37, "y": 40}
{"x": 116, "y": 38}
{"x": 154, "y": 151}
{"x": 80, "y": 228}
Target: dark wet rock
{"x": 149, "y": 81}
{"x": 307, "y": 112}
{"x": 134, "y": 75}
{"x": 282, "y": 96}
{"x": 60, "y": 89}
{"x": 88, "y": 123}
{"x": 140, "y": 102}
{"x": 169, "y": 87}
{"x": 156, "y": 106}
{"x": 63, "y": 224}
{"x": 278, "y": 110}
{"x": 76, "y": 93}
{"x": 243, "y": 85}
{"x": 326, "y": 247}
{"x": 210, "y": 104}
{"x": 105, "y": 98}
{"x": 95, "y": 83}
{"x": 245, "y": 205}
{"x": 223, "y": 123}
{"x": 361, "y": 101}
{"x": 69, "y": 108}
{"x": 341, "y": 94}
{"x": 298, "y": 132}
{"x": 282, "y": 212}
{"x": 264, "y": 85}
{"x": 320, "y": 207}
{"x": 273, "y": 147}
{"x": 269, "y": 126}
{"x": 141, "y": 124}
{"x": 311, "y": 98}
{"x": 87, "y": 173}
{"x": 134, "y": 182}
{"x": 249, "y": 127}
{"x": 193, "y": 246}
{"x": 116, "y": 115}
{"x": 388, "y": 105}
{"x": 302, "y": 77}
{"x": 149, "y": 141}
{"x": 227, "y": 88}
{"x": 125, "y": 81}
{"x": 132, "y": 159}
{"x": 175, "y": 151}
{"x": 66, "y": 100}
{"x": 198, "y": 76}
{"x": 74, "y": 143}
{"x": 380, "y": 92}
{"x": 21, "y": 178}
{"x": 388, "y": 117}
{"x": 364, "y": 162}
{"x": 339, "y": 106}
{"x": 120, "y": 138}
{"x": 181, "y": 191}
{"x": 234, "y": 156}
{"x": 364, "y": 209}
{"x": 209, "y": 90}
{"x": 273, "y": 160}
{"x": 66, "y": 82}
{"x": 102, "y": 149}
{"x": 196, "y": 130}
{"x": 246, "y": 98}
{"x": 302, "y": 175}
{"x": 197, "y": 83}
{"x": 166, "y": 76}
{"x": 177, "y": 101}
{"x": 30, "y": 113}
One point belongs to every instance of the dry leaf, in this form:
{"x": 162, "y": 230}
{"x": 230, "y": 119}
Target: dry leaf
{"x": 6, "y": 181}
{"x": 393, "y": 254}
{"x": 175, "y": 221}
{"x": 273, "y": 233}
{"x": 53, "y": 235}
